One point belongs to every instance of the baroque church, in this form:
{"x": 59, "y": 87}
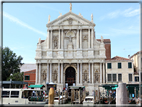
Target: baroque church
{"x": 71, "y": 54}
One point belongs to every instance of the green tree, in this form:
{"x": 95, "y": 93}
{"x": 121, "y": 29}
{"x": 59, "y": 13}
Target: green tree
{"x": 10, "y": 63}
{"x": 16, "y": 76}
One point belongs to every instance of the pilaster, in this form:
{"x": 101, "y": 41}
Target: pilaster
{"x": 47, "y": 79}
{"x": 39, "y": 73}
{"x": 100, "y": 72}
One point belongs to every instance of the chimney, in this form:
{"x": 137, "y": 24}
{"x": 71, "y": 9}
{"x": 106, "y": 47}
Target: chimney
{"x": 129, "y": 56}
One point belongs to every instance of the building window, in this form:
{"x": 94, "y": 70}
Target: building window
{"x": 130, "y": 77}
{"x": 109, "y": 77}
{"x": 109, "y": 65}
{"x": 114, "y": 77}
{"x": 27, "y": 77}
{"x": 119, "y": 77}
{"x": 137, "y": 79}
{"x": 119, "y": 65}
{"x": 129, "y": 65}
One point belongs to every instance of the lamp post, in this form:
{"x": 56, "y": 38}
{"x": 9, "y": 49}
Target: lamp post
{"x": 10, "y": 79}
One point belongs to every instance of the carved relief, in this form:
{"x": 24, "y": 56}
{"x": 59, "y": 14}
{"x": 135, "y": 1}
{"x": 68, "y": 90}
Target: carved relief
{"x": 65, "y": 65}
{"x": 74, "y": 65}
{"x": 38, "y": 54}
{"x": 70, "y": 21}
{"x": 85, "y": 37}
{"x": 49, "y": 54}
{"x": 44, "y": 54}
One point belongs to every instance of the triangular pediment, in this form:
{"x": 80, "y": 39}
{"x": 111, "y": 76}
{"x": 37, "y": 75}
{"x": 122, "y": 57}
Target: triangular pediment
{"x": 70, "y": 19}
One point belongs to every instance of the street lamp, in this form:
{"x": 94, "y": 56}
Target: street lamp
{"x": 10, "y": 79}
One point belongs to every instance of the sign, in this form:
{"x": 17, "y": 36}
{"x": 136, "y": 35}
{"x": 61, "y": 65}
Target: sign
{"x": 73, "y": 84}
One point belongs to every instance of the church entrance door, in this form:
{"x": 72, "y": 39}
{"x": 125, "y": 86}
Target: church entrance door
{"x": 70, "y": 76}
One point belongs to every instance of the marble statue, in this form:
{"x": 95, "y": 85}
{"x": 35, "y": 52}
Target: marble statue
{"x": 60, "y": 14}
{"x": 55, "y": 43}
{"x": 101, "y": 38}
{"x": 70, "y": 7}
{"x": 70, "y": 38}
{"x": 39, "y": 41}
{"x": 48, "y": 18}
{"x": 91, "y": 17}
{"x": 44, "y": 75}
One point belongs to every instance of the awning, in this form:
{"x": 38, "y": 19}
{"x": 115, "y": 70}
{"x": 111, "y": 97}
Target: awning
{"x": 133, "y": 85}
{"x": 36, "y": 86}
{"x": 77, "y": 87}
{"x": 109, "y": 86}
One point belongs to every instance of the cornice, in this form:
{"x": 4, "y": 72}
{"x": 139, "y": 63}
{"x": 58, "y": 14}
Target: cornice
{"x": 61, "y": 18}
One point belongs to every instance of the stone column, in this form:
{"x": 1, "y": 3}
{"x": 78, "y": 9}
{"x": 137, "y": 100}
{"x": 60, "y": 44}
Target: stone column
{"x": 92, "y": 74}
{"x": 48, "y": 39}
{"x": 80, "y": 38}
{"x": 36, "y": 73}
{"x": 62, "y": 40}
{"x": 88, "y": 38}
{"x": 103, "y": 73}
{"x": 77, "y": 73}
{"x": 121, "y": 94}
{"x": 39, "y": 72}
{"x": 59, "y": 40}
{"x": 58, "y": 72}
{"x": 51, "y": 40}
{"x": 80, "y": 73}
{"x": 100, "y": 72}
{"x": 77, "y": 38}
{"x": 89, "y": 71}
{"x": 92, "y": 38}
{"x": 47, "y": 78}
{"x": 61, "y": 73}
{"x": 50, "y": 72}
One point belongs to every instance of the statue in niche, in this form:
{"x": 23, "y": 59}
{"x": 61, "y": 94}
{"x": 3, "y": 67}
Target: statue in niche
{"x": 70, "y": 38}
{"x": 85, "y": 75}
{"x": 44, "y": 75}
{"x": 55, "y": 75}
{"x": 96, "y": 76}
{"x": 55, "y": 44}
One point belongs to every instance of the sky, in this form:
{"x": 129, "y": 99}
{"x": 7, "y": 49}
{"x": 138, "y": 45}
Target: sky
{"x": 25, "y": 23}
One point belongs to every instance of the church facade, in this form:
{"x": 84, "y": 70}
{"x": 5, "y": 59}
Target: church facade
{"x": 71, "y": 54}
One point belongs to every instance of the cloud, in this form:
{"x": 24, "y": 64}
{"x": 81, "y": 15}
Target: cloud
{"x": 114, "y": 14}
{"x": 130, "y": 12}
{"x": 51, "y": 8}
{"x": 16, "y": 20}
{"x": 124, "y": 31}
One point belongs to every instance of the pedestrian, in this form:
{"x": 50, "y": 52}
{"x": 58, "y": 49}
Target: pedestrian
{"x": 110, "y": 93}
{"x": 92, "y": 92}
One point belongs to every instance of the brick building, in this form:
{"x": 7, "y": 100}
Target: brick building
{"x": 29, "y": 76}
